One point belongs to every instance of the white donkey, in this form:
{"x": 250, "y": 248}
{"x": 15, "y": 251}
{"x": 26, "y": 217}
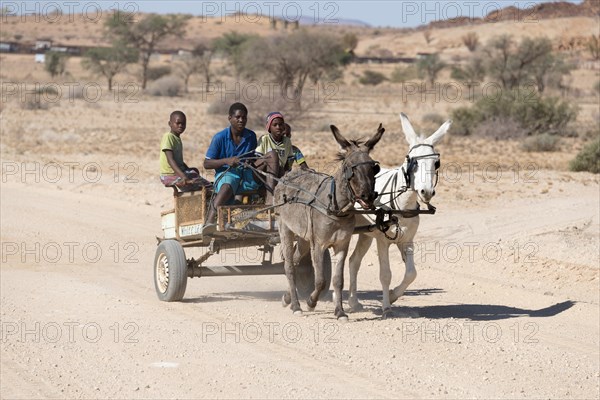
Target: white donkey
{"x": 399, "y": 189}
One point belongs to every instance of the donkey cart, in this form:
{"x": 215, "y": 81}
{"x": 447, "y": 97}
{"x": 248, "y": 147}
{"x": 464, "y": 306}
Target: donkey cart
{"x": 239, "y": 226}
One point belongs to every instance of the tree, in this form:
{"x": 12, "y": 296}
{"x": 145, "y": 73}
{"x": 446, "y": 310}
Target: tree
{"x": 429, "y": 67}
{"x": 198, "y": 62}
{"x": 499, "y": 58}
{"x": 549, "y": 70}
{"x": 146, "y": 34}
{"x": 55, "y": 63}
{"x": 109, "y": 61}
{"x": 294, "y": 59}
{"x": 593, "y": 46}
{"x": 471, "y": 74}
{"x": 428, "y": 36}
{"x": 514, "y": 65}
{"x": 231, "y": 44}
{"x": 471, "y": 40}
{"x": 350, "y": 41}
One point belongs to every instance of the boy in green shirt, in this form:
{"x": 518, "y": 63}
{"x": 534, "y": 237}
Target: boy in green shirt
{"x": 173, "y": 170}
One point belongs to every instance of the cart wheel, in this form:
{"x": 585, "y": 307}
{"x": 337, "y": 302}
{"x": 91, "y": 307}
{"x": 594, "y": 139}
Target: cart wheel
{"x": 305, "y": 276}
{"x": 170, "y": 271}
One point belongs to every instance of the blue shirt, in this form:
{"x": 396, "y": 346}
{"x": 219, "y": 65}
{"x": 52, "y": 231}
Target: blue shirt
{"x": 222, "y": 146}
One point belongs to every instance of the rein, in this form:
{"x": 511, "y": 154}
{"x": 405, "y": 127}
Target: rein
{"x": 332, "y": 208}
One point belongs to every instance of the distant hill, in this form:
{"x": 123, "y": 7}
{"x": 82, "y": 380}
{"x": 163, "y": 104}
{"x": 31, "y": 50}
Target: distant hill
{"x": 560, "y": 9}
{"x": 567, "y": 24}
{"x": 339, "y": 21}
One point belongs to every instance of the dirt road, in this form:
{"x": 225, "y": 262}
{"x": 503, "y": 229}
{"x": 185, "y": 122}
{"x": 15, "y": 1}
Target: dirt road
{"x": 505, "y": 304}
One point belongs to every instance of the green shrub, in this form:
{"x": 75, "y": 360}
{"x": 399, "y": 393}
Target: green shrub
{"x": 55, "y": 63}
{"x": 372, "y": 78}
{"x": 465, "y": 121}
{"x": 540, "y": 143}
{"x": 532, "y": 113}
{"x": 588, "y": 158}
{"x": 597, "y": 87}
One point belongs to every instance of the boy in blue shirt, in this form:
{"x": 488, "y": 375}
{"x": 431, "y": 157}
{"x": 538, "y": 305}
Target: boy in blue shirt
{"x": 227, "y": 151}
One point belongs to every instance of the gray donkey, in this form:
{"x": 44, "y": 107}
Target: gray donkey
{"x": 316, "y": 208}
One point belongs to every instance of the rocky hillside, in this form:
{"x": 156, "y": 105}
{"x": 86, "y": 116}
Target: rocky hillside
{"x": 561, "y": 9}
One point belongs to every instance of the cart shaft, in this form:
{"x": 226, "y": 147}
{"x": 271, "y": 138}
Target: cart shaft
{"x": 231, "y": 270}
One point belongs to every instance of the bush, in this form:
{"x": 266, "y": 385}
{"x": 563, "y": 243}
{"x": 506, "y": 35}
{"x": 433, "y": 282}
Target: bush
{"x": 372, "y": 78}
{"x": 40, "y": 99}
{"x": 155, "y": 73}
{"x": 471, "y": 40}
{"x": 166, "y": 86}
{"x": 403, "y": 74}
{"x": 540, "y": 143}
{"x": 219, "y": 107}
{"x": 433, "y": 119}
{"x": 429, "y": 67}
{"x": 588, "y": 158}
{"x": 597, "y": 87}
{"x": 260, "y": 107}
{"x": 532, "y": 113}
{"x": 34, "y": 103}
{"x": 55, "y": 63}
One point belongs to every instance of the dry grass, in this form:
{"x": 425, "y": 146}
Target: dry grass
{"x": 129, "y": 123}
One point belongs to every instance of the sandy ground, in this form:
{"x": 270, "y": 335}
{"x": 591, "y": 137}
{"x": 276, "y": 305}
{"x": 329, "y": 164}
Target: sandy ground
{"x": 505, "y": 304}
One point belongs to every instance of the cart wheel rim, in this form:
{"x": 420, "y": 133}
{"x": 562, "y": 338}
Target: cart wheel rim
{"x": 162, "y": 272}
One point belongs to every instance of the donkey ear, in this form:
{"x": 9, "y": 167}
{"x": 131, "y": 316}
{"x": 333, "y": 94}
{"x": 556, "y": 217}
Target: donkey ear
{"x": 439, "y": 134}
{"x": 409, "y": 132}
{"x": 339, "y": 138}
{"x": 373, "y": 141}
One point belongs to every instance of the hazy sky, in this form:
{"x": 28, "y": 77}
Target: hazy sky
{"x": 395, "y": 13}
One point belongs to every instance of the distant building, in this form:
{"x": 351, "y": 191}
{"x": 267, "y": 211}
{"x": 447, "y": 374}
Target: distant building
{"x": 71, "y": 50}
{"x": 40, "y": 58}
{"x": 383, "y": 60}
{"x": 9, "y": 47}
{"x": 42, "y": 44}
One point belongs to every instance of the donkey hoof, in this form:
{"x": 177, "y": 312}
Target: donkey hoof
{"x": 387, "y": 313}
{"x": 393, "y": 296}
{"x": 298, "y": 313}
{"x": 286, "y": 300}
{"x": 310, "y": 308}
{"x": 342, "y": 318}
{"x": 356, "y": 307}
